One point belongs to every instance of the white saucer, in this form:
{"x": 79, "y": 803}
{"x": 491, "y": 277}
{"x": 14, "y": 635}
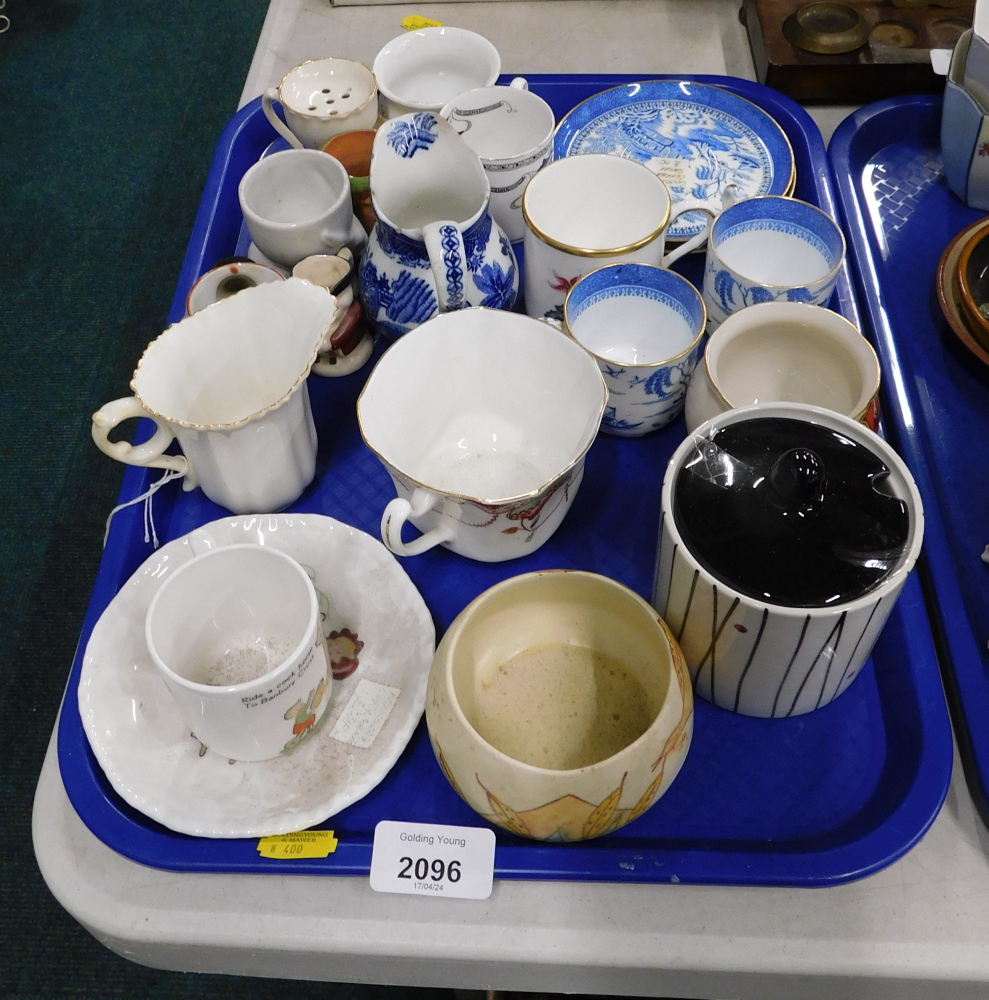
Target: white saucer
{"x": 158, "y": 767}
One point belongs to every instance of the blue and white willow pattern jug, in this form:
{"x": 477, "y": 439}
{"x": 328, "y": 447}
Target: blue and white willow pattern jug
{"x": 434, "y": 247}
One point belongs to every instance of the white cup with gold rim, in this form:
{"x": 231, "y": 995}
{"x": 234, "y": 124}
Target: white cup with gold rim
{"x": 582, "y": 212}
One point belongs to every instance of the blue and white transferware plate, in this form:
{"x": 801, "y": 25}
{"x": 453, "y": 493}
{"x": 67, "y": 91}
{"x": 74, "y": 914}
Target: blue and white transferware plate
{"x": 697, "y": 138}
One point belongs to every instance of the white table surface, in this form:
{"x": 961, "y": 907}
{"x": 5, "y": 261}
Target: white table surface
{"x": 918, "y": 929}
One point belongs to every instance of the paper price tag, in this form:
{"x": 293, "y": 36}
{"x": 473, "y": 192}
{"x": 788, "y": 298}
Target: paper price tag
{"x": 416, "y": 21}
{"x": 425, "y": 859}
{"x": 305, "y": 844}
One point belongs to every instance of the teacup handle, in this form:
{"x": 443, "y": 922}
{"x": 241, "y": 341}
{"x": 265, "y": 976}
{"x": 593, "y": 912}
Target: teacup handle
{"x": 690, "y": 205}
{"x": 201, "y": 541}
{"x": 445, "y": 246}
{"x": 149, "y": 453}
{"x": 398, "y": 512}
{"x": 355, "y": 240}
{"x": 276, "y": 123}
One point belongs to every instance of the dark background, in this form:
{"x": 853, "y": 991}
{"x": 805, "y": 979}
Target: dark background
{"x": 109, "y": 115}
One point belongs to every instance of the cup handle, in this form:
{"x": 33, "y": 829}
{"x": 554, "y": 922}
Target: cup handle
{"x": 694, "y": 242}
{"x": 276, "y": 123}
{"x": 398, "y": 512}
{"x": 202, "y": 541}
{"x": 356, "y": 238}
{"x": 445, "y": 246}
{"x": 520, "y": 83}
{"x": 151, "y": 452}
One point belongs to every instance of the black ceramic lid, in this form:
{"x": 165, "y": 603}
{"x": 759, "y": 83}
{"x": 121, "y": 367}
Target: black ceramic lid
{"x": 790, "y": 512}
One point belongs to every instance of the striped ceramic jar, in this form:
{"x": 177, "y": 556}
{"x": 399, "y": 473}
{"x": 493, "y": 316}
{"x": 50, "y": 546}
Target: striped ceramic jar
{"x": 763, "y": 659}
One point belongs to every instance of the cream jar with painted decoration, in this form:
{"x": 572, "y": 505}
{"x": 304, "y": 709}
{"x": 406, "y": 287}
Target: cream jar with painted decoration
{"x": 559, "y": 706}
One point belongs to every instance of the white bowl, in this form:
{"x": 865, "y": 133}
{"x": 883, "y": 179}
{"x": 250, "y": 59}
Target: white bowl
{"x": 422, "y": 70}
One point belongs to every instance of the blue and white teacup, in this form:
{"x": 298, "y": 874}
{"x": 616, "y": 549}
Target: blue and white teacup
{"x": 770, "y": 249}
{"x": 644, "y": 325}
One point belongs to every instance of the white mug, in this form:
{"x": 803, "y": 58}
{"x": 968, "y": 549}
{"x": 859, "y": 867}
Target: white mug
{"x": 297, "y": 203}
{"x": 511, "y": 130}
{"x": 229, "y": 384}
{"x": 584, "y": 211}
{"x": 482, "y": 418}
{"x": 320, "y": 99}
{"x": 236, "y": 636}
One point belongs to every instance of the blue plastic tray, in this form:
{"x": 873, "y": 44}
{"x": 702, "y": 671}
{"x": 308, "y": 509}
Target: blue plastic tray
{"x": 815, "y": 800}
{"x": 900, "y": 216}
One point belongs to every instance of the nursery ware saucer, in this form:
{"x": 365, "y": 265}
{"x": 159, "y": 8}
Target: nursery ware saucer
{"x": 381, "y": 640}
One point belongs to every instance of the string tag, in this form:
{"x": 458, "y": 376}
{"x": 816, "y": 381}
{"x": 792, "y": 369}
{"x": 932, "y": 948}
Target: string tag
{"x": 150, "y": 535}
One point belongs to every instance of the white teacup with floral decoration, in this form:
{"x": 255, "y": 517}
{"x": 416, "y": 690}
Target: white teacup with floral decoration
{"x": 582, "y": 212}
{"x": 482, "y": 418}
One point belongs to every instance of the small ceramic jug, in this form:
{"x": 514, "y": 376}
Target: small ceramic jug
{"x": 434, "y": 247}
{"x": 229, "y": 385}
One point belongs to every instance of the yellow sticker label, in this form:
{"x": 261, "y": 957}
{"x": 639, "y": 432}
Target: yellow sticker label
{"x": 415, "y": 21}
{"x": 305, "y": 844}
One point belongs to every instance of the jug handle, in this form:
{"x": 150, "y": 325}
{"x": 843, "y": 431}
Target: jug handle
{"x": 149, "y": 453}
{"x": 397, "y": 513}
{"x": 690, "y": 205}
{"x": 276, "y": 123}
{"x": 445, "y": 246}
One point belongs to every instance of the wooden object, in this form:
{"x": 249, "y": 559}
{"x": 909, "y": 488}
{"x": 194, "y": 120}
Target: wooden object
{"x": 895, "y": 58}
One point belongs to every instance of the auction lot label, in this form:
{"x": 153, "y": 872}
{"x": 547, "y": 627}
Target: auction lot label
{"x": 426, "y": 859}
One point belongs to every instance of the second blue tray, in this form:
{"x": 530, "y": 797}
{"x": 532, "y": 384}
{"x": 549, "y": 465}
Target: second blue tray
{"x": 900, "y": 216}
{"x": 814, "y": 800}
